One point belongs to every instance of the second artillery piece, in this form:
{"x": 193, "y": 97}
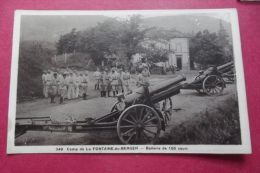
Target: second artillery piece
{"x": 211, "y": 80}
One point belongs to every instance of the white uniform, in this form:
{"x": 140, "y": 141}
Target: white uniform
{"x": 63, "y": 87}
{"x": 54, "y": 86}
{"x": 125, "y": 77}
{"x": 48, "y": 78}
{"x": 114, "y": 80}
{"x": 59, "y": 78}
{"x": 146, "y": 75}
{"x": 120, "y": 82}
{"x": 77, "y": 85}
{"x": 139, "y": 79}
{"x": 71, "y": 87}
{"x": 84, "y": 84}
{"x": 97, "y": 76}
{"x": 44, "y": 86}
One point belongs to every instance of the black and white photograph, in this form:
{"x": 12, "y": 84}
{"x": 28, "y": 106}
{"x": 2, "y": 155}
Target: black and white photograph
{"x": 150, "y": 81}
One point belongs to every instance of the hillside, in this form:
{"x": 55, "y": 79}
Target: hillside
{"x": 49, "y": 28}
{"x": 188, "y": 23}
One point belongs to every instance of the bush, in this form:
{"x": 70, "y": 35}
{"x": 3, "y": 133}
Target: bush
{"x": 33, "y": 59}
{"x": 220, "y": 125}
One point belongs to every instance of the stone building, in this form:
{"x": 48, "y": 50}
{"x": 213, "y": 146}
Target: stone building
{"x": 180, "y": 55}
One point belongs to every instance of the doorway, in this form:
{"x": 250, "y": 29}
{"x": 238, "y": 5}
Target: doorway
{"x": 179, "y": 61}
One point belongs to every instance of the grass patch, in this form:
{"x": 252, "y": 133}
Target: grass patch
{"x": 219, "y": 125}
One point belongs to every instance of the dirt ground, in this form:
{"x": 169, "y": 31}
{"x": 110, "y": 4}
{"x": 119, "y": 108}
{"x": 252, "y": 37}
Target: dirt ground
{"x": 188, "y": 103}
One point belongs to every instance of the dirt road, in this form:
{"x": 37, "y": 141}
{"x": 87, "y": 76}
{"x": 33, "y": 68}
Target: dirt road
{"x": 188, "y": 102}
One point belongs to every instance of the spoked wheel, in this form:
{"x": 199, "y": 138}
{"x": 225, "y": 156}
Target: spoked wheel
{"x": 198, "y": 77}
{"x": 167, "y": 110}
{"x": 139, "y": 124}
{"x": 213, "y": 85}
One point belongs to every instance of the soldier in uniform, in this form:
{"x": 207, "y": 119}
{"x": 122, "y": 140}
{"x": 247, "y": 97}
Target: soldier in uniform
{"x": 145, "y": 74}
{"x": 59, "y": 77}
{"x": 77, "y": 84}
{"x": 63, "y": 87}
{"x": 139, "y": 79}
{"x": 44, "y": 83}
{"x": 101, "y": 84}
{"x": 54, "y": 86}
{"x": 114, "y": 81}
{"x": 97, "y": 74}
{"x": 80, "y": 86}
{"x": 126, "y": 80}
{"x": 84, "y": 85}
{"x": 120, "y": 84}
{"x": 106, "y": 82}
{"x": 48, "y": 83}
{"x": 71, "y": 86}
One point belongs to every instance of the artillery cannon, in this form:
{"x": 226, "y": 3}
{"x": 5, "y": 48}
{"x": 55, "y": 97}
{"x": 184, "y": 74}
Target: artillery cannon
{"x": 211, "y": 80}
{"x": 138, "y": 117}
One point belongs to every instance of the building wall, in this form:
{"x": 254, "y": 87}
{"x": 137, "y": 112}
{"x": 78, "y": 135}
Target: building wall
{"x": 180, "y": 46}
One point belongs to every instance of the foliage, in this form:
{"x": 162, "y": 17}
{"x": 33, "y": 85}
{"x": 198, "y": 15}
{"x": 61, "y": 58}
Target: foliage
{"x": 67, "y": 42}
{"x": 223, "y": 36}
{"x": 113, "y": 36}
{"x": 33, "y": 59}
{"x": 205, "y": 49}
{"x": 154, "y": 54}
{"x": 220, "y": 125}
{"x": 211, "y": 48}
{"x": 77, "y": 60}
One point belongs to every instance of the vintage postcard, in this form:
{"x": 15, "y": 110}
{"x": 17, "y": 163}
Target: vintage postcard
{"x": 150, "y": 81}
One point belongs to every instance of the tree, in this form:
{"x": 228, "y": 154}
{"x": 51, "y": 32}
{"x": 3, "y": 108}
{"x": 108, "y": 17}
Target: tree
{"x": 33, "y": 59}
{"x": 223, "y": 35}
{"x": 113, "y": 36}
{"x": 67, "y": 43}
{"x": 153, "y": 53}
{"x": 205, "y": 49}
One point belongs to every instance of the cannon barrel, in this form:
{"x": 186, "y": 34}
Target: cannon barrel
{"x": 222, "y": 68}
{"x": 156, "y": 89}
{"x": 227, "y": 65}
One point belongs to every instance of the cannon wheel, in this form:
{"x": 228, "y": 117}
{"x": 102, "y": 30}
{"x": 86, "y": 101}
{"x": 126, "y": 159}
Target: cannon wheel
{"x": 167, "y": 110}
{"x": 139, "y": 124}
{"x": 213, "y": 85}
{"x": 114, "y": 107}
{"x": 199, "y": 90}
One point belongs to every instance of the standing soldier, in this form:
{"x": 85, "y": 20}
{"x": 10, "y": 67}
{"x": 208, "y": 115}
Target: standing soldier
{"x": 59, "y": 77}
{"x": 48, "y": 83}
{"x": 77, "y": 85}
{"x": 44, "y": 83}
{"x": 101, "y": 84}
{"x": 114, "y": 81}
{"x": 139, "y": 79}
{"x": 126, "y": 80}
{"x": 106, "y": 82}
{"x": 84, "y": 85}
{"x": 120, "y": 84}
{"x": 63, "y": 87}
{"x": 71, "y": 86}
{"x": 145, "y": 74}
{"x": 97, "y": 76}
{"x": 54, "y": 85}
{"x": 80, "y": 87}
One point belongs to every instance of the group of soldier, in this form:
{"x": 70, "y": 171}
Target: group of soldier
{"x": 68, "y": 84}
{"x": 72, "y": 84}
{"x": 118, "y": 80}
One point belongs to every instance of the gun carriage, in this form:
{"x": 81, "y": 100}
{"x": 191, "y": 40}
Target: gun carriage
{"x": 211, "y": 80}
{"x": 138, "y": 117}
